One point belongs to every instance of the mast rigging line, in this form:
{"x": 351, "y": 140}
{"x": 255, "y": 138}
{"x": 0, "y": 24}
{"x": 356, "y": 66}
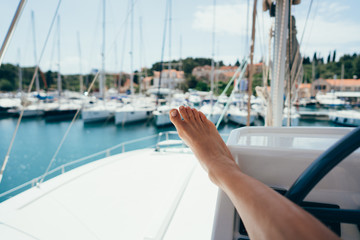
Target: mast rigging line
{"x": 302, "y": 36}
{"x": 131, "y": 50}
{"x": 121, "y": 26}
{"x": 67, "y": 131}
{"x": 290, "y": 65}
{"x": 261, "y": 37}
{"x": 123, "y": 49}
{"x": 163, "y": 49}
{"x": 29, "y": 90}
{"x": 251, "y": 68}
{"x": 241, "y": 69}
{"x": 292, "y": 75}
{"x": 11, "y": 31}
{"x": 213, "y": 57}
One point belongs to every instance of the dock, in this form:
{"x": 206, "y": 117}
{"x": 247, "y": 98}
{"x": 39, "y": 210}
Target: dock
{"x": 321, "y": 115}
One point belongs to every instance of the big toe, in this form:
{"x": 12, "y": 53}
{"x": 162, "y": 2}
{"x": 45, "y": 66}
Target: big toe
{"x": 175, "y": 117}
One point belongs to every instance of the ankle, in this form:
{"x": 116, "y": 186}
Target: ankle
{"x": 220, "y": 172}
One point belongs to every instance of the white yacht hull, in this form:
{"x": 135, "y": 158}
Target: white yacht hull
{"x": 96, "y": 116}
{"x": 241, "y": 119}
{"x": 239, "y": 116}
{"x": 347, "y": 118}
{"x": 162, "y": 119}
{"x": 33, "y": 113}
{"x": 213, "y": 113}
{"x": 135, "y": 195}
{"x": 123, "y": 117}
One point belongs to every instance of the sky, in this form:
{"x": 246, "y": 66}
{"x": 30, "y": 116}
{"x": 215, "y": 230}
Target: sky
{"x": 332, "y": 25}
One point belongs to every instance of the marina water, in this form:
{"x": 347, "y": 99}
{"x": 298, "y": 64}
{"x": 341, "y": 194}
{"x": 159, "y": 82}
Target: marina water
{"x": 37, "y": 141}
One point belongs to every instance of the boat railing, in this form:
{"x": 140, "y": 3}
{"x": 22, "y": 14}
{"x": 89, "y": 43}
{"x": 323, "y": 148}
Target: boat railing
{"x": 165, "y": 140}
{"x": 98, "y": 155}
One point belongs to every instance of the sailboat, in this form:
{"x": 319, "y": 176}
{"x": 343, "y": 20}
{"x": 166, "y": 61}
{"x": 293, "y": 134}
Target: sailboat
{"x": 138, "y": 109}
{"x": 163, "y": 193}
{"x": 212, "y": 111}
{"x": 101, "y": 110}
{"x": 237, "y": 112}
{"x": 66, "y": 109}
{"x": 161, "y": 114}
{"x": 31, "y": 106}
{"x": 7, "y": 105}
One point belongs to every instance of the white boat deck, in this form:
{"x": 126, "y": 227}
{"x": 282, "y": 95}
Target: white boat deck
{"x": 136, "y": 195}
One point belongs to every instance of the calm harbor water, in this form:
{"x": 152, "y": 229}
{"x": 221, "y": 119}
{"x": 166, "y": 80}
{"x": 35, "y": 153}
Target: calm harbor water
{"x": 37, "y": 141}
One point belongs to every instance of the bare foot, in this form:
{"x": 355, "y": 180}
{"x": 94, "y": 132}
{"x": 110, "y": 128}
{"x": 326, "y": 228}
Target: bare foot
{"x": 204, "y": 140}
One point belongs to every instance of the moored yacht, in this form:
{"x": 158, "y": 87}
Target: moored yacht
{"x": 33, "y": 110}
{"x": 100, "y": 111}
{"x": 294, "y": 117}
{"x": 64, "y": 111}
{"x": 212, "y": 112}
{"x": 238, "y": 115}
{"x": 345, "y": 117}
{"x": 329, "y": 100}
{"x": 7, "y": 104}
{"x": 133, "y": 113}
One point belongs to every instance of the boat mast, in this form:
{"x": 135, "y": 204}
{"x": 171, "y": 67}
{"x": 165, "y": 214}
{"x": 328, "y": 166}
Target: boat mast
{"x": 251, "y": 68}
{"x": 277, "y": 81}
{"x": 102, "y": 75}
{"x": 140, "y": 77}
{"x": 131, "y": 48}
{"x": 37, "y": 84}
{"x": 10, "y": 32}
{"x": 59, "y": 75}
{"x": 169, "y": 65}
{"x": 342, "y": 77}
{"x": 247, "y": 27}
{"x": 80, "y": 67}
{"x": 212, "y": 58}
{"x": 123, "y": 51}
{"x": 180, "y": 52}
{"x": 20, "y": 71}
{"x": 162, "y": 51}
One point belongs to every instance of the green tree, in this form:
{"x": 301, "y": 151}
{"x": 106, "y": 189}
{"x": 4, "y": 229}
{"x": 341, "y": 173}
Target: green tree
{"x": 357, "y": 67}
{"x": 6, "y": 85}
{"x": 191, "y": 81}
{"x": 202, "y": 86}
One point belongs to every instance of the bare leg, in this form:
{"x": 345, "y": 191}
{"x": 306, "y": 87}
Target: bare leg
{"x": 266, "y": 214}
{"x": 202, "y": 137}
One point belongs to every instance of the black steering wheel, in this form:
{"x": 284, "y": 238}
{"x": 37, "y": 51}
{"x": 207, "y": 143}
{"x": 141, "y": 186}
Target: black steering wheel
{"x": 316, "y": 171}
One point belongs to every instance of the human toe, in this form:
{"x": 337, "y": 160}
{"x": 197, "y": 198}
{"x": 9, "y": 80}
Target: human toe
{"x": 196, "y": 114}
{"x": 190, "y": 112}
{"x": 175, "y": 117}
{"x": 202, "y": 117}
{"x": 184, "y": 113}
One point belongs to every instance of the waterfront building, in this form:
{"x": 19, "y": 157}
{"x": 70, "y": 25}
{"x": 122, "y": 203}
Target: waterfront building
{"x": 223, "y": 73}
{"x": 336, "y": 85}
{"x": 169, "y": 78}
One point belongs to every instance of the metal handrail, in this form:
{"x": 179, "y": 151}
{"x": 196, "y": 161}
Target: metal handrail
{"x": 107, "y": 152}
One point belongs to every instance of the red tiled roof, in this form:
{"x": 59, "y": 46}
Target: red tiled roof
{"x": 343, "y": 82}
{"x": 305, "y": 85}
{"x": 147, "y": 79}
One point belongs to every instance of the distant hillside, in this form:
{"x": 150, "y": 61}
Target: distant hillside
{"x": 332, "y": 68}
{"x": 9, "y": 74}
